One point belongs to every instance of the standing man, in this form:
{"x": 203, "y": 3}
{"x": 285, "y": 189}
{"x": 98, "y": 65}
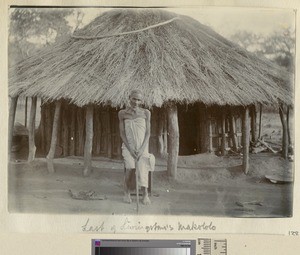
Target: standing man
{"x": 134, "y": 124}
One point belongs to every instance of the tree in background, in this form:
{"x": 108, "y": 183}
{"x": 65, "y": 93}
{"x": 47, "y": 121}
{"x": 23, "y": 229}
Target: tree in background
{"x": 32, "y": 28}
{"x": 278, "y": 46}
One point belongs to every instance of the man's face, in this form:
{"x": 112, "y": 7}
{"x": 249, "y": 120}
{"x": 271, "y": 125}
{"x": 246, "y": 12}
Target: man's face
{"x": 135, "y": 100}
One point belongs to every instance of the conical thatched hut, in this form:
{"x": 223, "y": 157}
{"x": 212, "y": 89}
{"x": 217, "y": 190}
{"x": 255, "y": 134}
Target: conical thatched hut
{"x": 184, "y": 68}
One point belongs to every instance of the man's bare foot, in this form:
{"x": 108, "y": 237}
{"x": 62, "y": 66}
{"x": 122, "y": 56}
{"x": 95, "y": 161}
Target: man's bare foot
{"x": 127, "y": 198}
{"x": 146, "y": 200}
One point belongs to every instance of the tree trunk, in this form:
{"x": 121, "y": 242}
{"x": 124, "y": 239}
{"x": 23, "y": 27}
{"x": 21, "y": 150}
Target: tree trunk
{"x": 246, "y": 140}
{"x": 51, "y": 152}
{"x": 233, "y": 131}
{"x": 253, "y": 124}
{"x": 31, "y": 129}
{"x": 88, "y": 141}
{"x": 11, "y": 122}
{"x": 285, "y": 139}
{"x": 173, "y": 140}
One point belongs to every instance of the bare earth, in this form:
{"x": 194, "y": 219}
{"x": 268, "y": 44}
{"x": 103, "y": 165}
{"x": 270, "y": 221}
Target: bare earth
{"x": 207, "y": 185}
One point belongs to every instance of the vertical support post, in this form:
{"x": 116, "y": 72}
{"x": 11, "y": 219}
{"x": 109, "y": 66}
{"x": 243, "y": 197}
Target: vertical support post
{"x": 288, "y": 125}
{"x": 246, "y": 139}
{"x": 223, "y": 148}
{"x": 26, "y": 107}
{"x": 72, "y": 131}
{"x": 173, "y": 140}
{"x": 65, "y": 129}
{"x": 49, "y": 125}
{"x": 160, "y": 133}
{"x": 11, "y": 122}
{"x": 260, "y": 122}
{"x": 165, "y": 132}
{"x": 233, "y": 131}
{"x": 31, "y": 129}
{"x": 253, "y": 124}
{"x": 42, "y": 128}
{"x": 51, "y": 152}
{"x": 210, "y": 138}
{"x": 202, "y": 127}
{"x": 109, "y": 135}
{"x": 88, "y": 140}
{"x": 285, "y": 139}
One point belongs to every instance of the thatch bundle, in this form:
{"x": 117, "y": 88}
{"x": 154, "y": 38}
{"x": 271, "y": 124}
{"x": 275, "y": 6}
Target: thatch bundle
{"x": 182, "y": 61}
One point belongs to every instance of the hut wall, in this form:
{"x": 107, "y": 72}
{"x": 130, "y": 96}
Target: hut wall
{"x": 217, "y": 126}
{"x": 106, "y": 141}
{"x": 193, "y": 127}
{"x": 196, "y": 132}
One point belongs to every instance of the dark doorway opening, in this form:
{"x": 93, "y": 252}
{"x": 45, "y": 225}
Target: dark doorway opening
{"x": 187, "y": 121}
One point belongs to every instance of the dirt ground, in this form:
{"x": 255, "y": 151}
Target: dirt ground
{"x": 207, "y": 185}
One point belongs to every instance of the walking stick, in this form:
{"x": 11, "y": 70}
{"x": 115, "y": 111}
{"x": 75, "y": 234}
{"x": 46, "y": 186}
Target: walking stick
{"x": 137, "y": 185}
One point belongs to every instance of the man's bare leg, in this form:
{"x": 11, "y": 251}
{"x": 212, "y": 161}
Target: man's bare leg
{"x": 146, "y": 200}
{"x": 128, "y": 182}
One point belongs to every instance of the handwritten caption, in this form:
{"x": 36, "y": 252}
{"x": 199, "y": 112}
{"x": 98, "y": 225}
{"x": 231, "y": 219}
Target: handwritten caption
{"x": 128, "y": 225}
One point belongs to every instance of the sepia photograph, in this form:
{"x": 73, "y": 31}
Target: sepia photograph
{"x": 183, "y": 111}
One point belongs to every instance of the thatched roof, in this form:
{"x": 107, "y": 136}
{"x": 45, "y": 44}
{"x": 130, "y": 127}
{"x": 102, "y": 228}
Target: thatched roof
{"x": 180, "y": 60}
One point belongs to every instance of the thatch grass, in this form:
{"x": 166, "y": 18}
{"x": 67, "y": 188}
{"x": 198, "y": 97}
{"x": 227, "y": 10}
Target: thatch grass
{"x": 182, "y": 61}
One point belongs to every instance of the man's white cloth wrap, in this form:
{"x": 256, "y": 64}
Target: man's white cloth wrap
{"x": 135, "y": 130}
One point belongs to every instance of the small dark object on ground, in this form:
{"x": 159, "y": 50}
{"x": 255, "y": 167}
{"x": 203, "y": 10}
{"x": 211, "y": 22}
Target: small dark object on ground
{"x": 86, "y": 195}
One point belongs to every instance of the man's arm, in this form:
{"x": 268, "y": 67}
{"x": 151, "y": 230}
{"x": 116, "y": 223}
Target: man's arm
{"x": 123, "y": 135}
{"x": 147, "y": 133}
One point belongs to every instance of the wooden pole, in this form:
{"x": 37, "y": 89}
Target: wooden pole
{"x": 223, "y": 147}
{"x": 233, "y": 130}
{"x": 137, "y": 184}
{"x": 260, "y": 122}
{"x": 51, "y": 152}
{"x": 109, "y": 135}
{"x": 210, "y": 138}
{"x": 288, "y": 125}
{"x": 165, "y": 132}
{"x": 80, "y": 131}
{"x": 65, "y": 128}
{"x": 202, "y": 126}
{"x": 11, "y": 122}
{"x": 253, "y": 124}
{"x": 246, "y": 140}
{"x": 42, "y": 128}
{"x": 31, "y": 129}
{"x": 160, "y": 133}
{"x": 285, "y": 139}
{"x": 72, "y": 131}
{"x": 49, "y": 126}
{"x": 26, "y": 106}
{"x": 88, "y": 141}
{"x": 173, "y": 140}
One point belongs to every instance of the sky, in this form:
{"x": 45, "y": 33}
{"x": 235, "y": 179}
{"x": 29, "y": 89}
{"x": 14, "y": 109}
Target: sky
{"x": 227, "y": 20}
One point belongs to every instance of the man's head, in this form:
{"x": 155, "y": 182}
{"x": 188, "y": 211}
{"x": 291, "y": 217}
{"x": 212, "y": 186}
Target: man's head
{"x": 136, "y": 98}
